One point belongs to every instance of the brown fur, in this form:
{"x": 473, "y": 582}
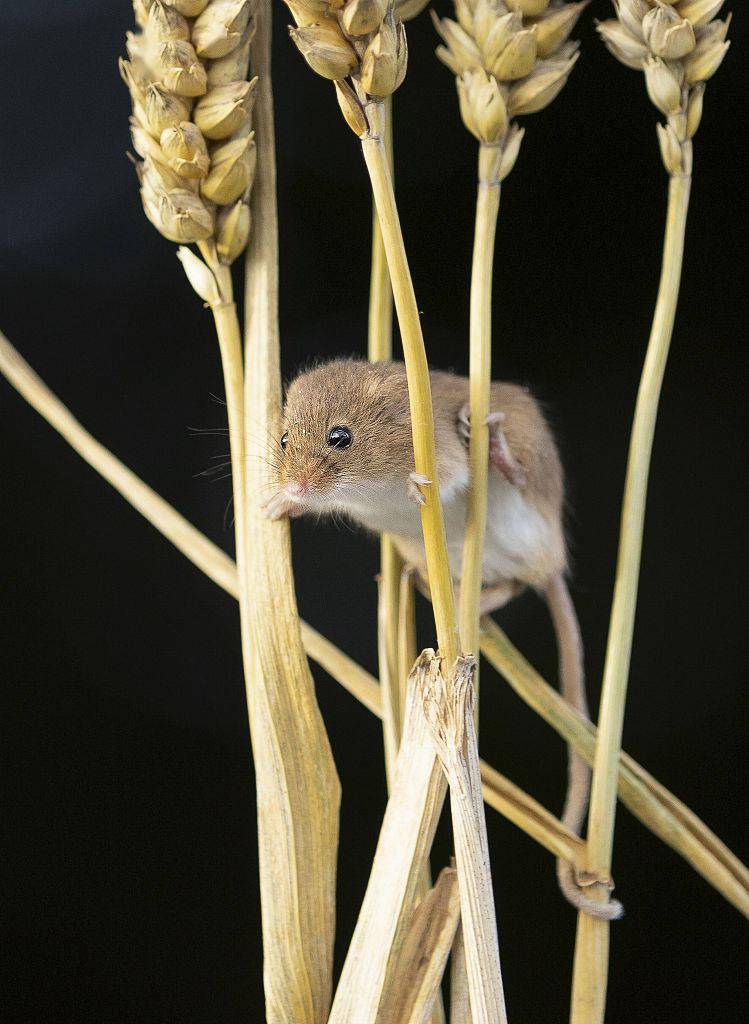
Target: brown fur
{"x": 372, "y": 400}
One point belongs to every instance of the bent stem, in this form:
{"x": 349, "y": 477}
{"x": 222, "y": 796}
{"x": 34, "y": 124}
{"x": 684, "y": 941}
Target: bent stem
{"x": 480, "y": 370}
{"x": 419, "y": 390}
{"x": 592, "y": 943}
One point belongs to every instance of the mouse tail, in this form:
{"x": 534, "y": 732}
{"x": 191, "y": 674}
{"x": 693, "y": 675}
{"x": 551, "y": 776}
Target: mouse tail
{"x": 572, "y": 685}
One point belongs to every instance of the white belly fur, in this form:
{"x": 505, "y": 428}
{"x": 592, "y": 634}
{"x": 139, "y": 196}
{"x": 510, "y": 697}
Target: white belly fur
{"x": 520, "y": 544}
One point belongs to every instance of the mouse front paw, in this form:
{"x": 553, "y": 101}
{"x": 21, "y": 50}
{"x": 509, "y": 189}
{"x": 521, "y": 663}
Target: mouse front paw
{"x": 414, "y": 487}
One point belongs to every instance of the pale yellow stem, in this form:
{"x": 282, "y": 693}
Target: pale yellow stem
{"x": 419, "y": 389}
{"x": 416, "y": 985}
{"x": 460, "y": 1000}
{"x": 380, "y": 324}
{"x": 388, "y": 593}
{"x": 451, "y": 722}
{"x": 407, "y": 647}
{"x": 591, "y": 951}
{"x": 374, "y": 956}
{"x": 380, "y": 348}
{"x": 387, "y": 242}
{"x": 480, "y": 372}
{"x": 298, "y": 792}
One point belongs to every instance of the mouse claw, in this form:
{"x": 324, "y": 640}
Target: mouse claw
{"x": 414, "y": 487}
{"x": 464, "y": 421}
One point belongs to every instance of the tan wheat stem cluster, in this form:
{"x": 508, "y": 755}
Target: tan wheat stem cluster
{"x": 199, "y": 191}
{"x": 191, "y": 123}
{"x": 678, "y": 46}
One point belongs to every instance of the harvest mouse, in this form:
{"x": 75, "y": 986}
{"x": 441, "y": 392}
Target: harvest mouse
{"x": 346, "y": 448}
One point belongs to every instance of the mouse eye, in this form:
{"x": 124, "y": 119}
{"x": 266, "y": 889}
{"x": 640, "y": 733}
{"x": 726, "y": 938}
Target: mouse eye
{"x": 340, "y": 437}
{"x": 285, "y": 439}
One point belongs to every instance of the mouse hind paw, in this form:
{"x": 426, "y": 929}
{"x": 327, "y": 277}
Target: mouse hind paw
{"x": 500, "y": 455}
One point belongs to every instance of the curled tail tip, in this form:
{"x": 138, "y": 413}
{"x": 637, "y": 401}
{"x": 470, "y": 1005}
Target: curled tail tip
{"x": 611, "y": 911}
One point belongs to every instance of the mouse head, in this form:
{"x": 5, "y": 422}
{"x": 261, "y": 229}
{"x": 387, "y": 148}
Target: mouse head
{"x": 346, "y": 424}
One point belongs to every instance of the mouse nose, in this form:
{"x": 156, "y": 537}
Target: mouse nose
{"x": 297, "y": 488}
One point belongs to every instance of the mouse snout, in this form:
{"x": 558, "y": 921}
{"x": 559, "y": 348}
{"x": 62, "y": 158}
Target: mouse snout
{"x": 298, "y": 488}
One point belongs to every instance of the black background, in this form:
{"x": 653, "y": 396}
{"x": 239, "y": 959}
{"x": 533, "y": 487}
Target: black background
{"x": 129, "y": 872}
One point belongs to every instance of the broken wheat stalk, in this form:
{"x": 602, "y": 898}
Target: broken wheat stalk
{"x": 415, "y": 990}
{"x": 449, "y": 714}
{"x": 375, "y": 954}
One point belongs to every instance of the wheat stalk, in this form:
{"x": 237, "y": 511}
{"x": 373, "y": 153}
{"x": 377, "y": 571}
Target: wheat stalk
{"x": 298, "y": 792}
{"x": 506, "y": 64}
{"x": 380, "y": 348}
{"x": 450, "y": 717}
{"x": 297, "y": 785}
{"x": 363, "y": 41}
{"x": 510, "y": 59}
{"x": 678, "y": 46}
{"x": 375, "y": 954}
{"x": 396, "y": 647}
{"x": 415, "y": 990}
{"x": 651, "y": 803}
